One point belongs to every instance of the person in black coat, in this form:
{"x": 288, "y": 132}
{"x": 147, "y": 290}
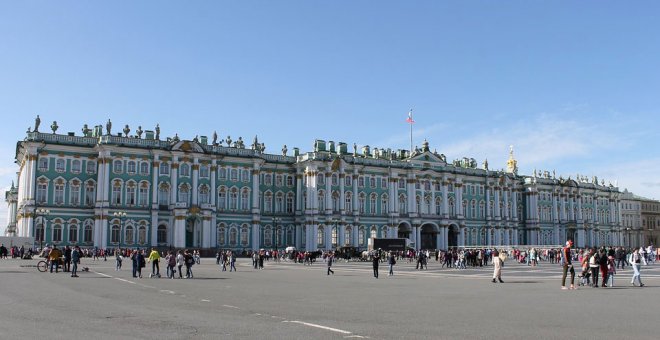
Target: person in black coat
{"x": 376, "y": 260}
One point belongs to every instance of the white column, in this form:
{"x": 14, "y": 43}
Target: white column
{"x": 206, "y": 233}
{"x": 514, "y": 204}
{"x": 256, "y": 233}
{"x": 174, "y": 177}
{"x": 342, "y": 194}
{"x": 497, "y": 203}
{"x": 445, "y": 200}
{"x": 356, "y": 207}
{"x": 462, "y": 237}
{"x": 341, "y": 238}
{"x": 458, "y": 187}
{"x": 488, "y": 217}
{"x": 328, "y": 193}
{"x": 214, "y": 191}
{"x": 506, "y": 204}
{"x": 410, "y": 185}
{"x": 255, "y": 190}
{"x": 195, "y": 181}
{"x": 579, "y": 204}
{"x": 571, "y": 207}
{"x": 392, "y": 196}
{"x": 154, "y": 182}
{"x": 555, "y": 218}
{"x": 562, "y": 207}
{"x": 299, "y": 192}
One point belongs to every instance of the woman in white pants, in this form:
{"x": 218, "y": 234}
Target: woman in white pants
{"x": 497, "y": 267}
{"x": 637, "y": 260}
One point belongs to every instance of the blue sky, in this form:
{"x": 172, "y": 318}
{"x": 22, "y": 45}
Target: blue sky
{"x": 573, "y": 86}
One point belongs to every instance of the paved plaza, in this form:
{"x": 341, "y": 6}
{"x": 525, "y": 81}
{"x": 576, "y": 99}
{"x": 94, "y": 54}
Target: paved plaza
{"x": 292, "y": 301}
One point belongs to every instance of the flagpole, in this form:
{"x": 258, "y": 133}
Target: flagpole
{"x": 411, "y": 139}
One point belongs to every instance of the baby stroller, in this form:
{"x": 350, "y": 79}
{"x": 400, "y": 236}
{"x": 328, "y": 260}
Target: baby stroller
{"x": 584, "y": 277}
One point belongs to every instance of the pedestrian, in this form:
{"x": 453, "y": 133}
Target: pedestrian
{"x": 55, "y": 258}
{"x": 154, "y": 258}
{"x": 67, "y": 259}
{"x": 611, "y": 270}
{"x": 118, "y": 260}
{"x": 375, "y": 261}
{"x": 170, "y": 259}
{"x": 75, "y": 259}
{"x": 329, "y": 261}
{"x": 497, "y": 267}
{"x": 134, "y": 262}
{"x": 391, "y": 261}
{"x": 594, "y": 266}
{"x": 179, "y": 263}
{"x": 232, "y": 261}
{"x": 141, "y": 262}
{"x": 567, "y": 265}
{"x": 189, "y": 261}
{"x": 636, "y": 264}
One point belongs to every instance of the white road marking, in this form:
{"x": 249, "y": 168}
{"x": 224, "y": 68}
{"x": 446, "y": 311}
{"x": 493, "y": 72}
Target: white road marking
{"x": 106, "y": 275}
{"x": 205, "y": 300}
{"x": 320, "y": 327}
{"x": 123, "y": 280}
{"x": 228, "y": 306}
{"x": 167, "y": 291}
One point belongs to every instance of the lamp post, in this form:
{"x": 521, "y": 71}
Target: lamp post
{"x": 43, "y": 212}
{"x": 121, "y": 215}
{"x": 276, "y": 222}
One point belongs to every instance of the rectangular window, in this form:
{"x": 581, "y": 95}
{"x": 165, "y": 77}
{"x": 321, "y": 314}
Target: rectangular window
{"x": 278, "y": 180}
{"x": 131, "y": 168}
{"x": 234, "y": 175}
{"x": 289, "y": 181}
{"x": 43, "y": 164}
{"x": 204, "y": 171}
{"x": 59, "y": 193}
{"x": 383, "y": 183}
{"x": 90, "y": 195}
{"x": 144, "y": 196}
{"x": 60, "y": 165}
{"x": 222, "y": 174}
{"x": 402, "y": 183}
{"x": 90, "y": 167}
{"x": 222, "y": 200}
{"x": 76, "y": 166}
{"x": 164, "y": 169}
{"x": 361, "y": 181}
{"x": 75, "y": 195}
{"x": 130, "y": 195}
{"x": 348, "y": 181}
{"x": 372, "y": 182}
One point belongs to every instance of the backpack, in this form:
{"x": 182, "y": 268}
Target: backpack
{"x": 190, "y": 261}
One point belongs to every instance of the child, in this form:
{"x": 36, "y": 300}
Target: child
{"x": 611, "y": 271}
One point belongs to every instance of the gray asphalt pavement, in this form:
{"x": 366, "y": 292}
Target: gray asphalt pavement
{"x": 292, "y": 301}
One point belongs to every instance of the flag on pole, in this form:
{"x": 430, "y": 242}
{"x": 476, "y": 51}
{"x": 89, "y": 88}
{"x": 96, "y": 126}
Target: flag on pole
{"x": 410, "y": 117}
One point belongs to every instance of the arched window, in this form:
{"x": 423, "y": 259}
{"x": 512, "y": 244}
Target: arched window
{"x": 290, "y": 238}
{"x": 143, "y": 196}
{"x": 402, "y": 204}
{"x": 373, "y": 198}
{"x": 57, "y": 233}
{"x": 221, "y": 234}
{"x": 222, "y": 198}
{"x": 373, "y": 232}
{"x": 245, "y": 199}
{"x": 268, "y": 236}
{"x": 164, "y": 194}
{"x": 438, "y": 205}
{"x": 321, "y": 200}
{"x": 161, "y": 234}
{"x": 73, "y": 233}
{"x": 427, "y": 204}
{"x": 88, "y": 234}
{"x": 59, "y": 191}
{"x": 348, "y": 205}
{"x": 418, "y": 203}
{"x": 279, "y": 202}
{"x": 184, "y": 170}
{"x": 184, "y": 194}
{"x": 384, "y": 231}
{"x": 233, "y": 199}
{"x": 268, "y": 202}
{"x": 335, "y": 201}
{"x": 144, "y": 168}
{"x": 142, "y": 234}
{"x": 320, "y": 237}
{"x": 244, "y": 235}
{"x": 452, "y": 210}
{"x": 115, "y": 233}
{"x": 348, "y": 235}
{"x": 203, "y": 194}
{"x": 289, "y": 203}
{"x": 42, "y": 191}
{"x": 385, "y": 204}
{"x": 116, "y": 193}
{"x": 361, "y": 236}
{"x": 473, "y": 209}
{"x": 482, "y": 209}
{"x": 128, "y": 235}
{"x": 130, "y": 193}
{"x": 74, "y": 192}
{"x": 233, "y": 237}
{"x": 361, "y": 202}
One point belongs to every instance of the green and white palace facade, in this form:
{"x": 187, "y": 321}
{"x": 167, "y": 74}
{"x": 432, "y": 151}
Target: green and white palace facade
{"x": 119, "y": 190}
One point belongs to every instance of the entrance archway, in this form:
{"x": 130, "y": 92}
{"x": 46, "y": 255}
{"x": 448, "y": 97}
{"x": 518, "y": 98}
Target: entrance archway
{"x": 429, "y": 236}
{"x": 452, "y": 236}
{"x": 404, "y": 230}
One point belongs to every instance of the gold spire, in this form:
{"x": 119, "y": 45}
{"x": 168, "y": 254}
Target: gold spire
{"x": 512, "y": 163}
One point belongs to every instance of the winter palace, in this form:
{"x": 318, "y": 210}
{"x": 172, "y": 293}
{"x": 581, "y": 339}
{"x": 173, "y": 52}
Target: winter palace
{"x": 117, "y": 189}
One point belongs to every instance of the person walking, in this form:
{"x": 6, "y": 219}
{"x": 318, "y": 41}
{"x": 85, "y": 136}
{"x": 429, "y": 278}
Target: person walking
{"x": 180, "y": 262}
{"x": 391, "y": 261}
{"x": 636, "y": 264}
{"x": 567, "y": 265}
{"x": 134, "y": 261}
{"x": 329, "y": 260}
{"x": 55, "y": 258}
{"x": 232, "y": 261}
{"x": 75, "y": 259}
{"x": 141, "y": 262}
{"x": 154, "y": 258}
{"x": 375, "y": 261}
{"x": 118, "y": 259}
{"x": 594, "y": 266}
{"x": 170, "y": 259}
{"x": 497, "y": 267}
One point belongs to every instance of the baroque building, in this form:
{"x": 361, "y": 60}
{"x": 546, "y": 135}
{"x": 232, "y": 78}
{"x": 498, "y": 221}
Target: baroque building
{"x": 121, "y": 190}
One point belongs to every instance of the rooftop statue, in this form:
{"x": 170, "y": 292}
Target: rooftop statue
{"x": 239, "y": 143}
{"x": 139, "y": 131}
{"x": 127, "y": 130}
{"x": 54, "y": 127}
{"x": 157, "y": 131}
{"x": 37, "y": 122}
{"x": 176, "y": 137}
{"x": 263, "y": 147}
{"x": 215, "y": 138}
{"x": 86, "y": 131}
{"x": 284, "y": 150}
{"x": 108, "y": 127}
{"x": 228, "y": 140}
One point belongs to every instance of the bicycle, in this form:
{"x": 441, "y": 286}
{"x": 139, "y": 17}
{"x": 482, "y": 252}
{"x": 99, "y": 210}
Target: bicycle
{"x": 42, "y": 265}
